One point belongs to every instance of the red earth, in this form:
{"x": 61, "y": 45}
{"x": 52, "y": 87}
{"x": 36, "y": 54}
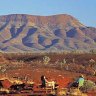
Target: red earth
{"x": 62, "y": 77}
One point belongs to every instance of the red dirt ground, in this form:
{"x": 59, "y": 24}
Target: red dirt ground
{"x": 62, "y": 77}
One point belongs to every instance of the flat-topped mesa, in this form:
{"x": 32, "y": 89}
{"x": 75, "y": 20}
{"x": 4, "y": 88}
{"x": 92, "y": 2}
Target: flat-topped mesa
{"x": 22, "y": 32}
{"x": 63, "y": 20}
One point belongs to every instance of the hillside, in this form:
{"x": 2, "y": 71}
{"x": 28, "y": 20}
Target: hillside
{"x": 20, "y": 32}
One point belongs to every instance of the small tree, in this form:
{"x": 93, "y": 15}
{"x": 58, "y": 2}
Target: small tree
{"x": 63, "y": 63}
{"x": 92, "y": 62}
{"x": 94, "y": 73}
{"x": 3, "y": 70}
{"x": 46, "y": 60}
{"x": 73, "y": 60}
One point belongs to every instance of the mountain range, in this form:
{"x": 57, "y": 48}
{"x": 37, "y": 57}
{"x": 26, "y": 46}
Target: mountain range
{"x": 21, "y": 32}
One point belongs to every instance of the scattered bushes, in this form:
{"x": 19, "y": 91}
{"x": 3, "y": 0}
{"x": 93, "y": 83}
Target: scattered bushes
{"x": 71, "y": 62}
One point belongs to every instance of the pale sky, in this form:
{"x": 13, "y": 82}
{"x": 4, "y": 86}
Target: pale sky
{"x": 83, "y": 10}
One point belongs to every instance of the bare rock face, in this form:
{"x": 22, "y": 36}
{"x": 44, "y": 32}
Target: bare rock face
{"x": 21, "y": 33}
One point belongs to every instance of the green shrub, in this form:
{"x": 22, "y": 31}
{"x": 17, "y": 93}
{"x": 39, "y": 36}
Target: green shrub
{"x": 46, "y": 60}
{"x": 88, "y": 85}
{"x": 63, "y": 63}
